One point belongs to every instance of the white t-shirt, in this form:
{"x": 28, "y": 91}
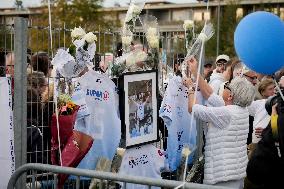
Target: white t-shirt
{"x": 140, "y": 109}
{"x": 174, "y": 112}
{"x": 103, "y": 123}
{"x": 261, "y": 117}
{"x": 144, "y": 161}
{"x": 7, "y": 155}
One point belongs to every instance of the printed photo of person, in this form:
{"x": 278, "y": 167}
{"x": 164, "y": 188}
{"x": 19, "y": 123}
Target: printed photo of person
{"x": 140, "y": 108}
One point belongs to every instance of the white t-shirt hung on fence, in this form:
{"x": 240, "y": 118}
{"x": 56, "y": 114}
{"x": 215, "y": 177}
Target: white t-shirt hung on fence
{"x": 7, "y": 156}
{"x": 144, "y": 161}
{"x": 101, "y": 120}
{"x": 174, "y": 112}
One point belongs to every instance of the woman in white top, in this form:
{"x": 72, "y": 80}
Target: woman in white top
{"x": 258, "y": 111}
{"x": 226, "y": 137}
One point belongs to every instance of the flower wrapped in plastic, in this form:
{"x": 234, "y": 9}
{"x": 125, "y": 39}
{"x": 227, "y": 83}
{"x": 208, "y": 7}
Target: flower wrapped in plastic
{"x": 66, "y": 118}
{"x": 135, "y": 8}
{"x": 195, "y": 50}
{"x": 151, "y": 29}
{"x": 188, "y": 27}
{"x": 130, "y": 62}
{"x": 126, "y": 39}
{"x": 71, "y": 62}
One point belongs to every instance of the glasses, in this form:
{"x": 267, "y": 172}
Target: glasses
{"x": 220, "y": 64}
{"x": 252, "y": 78}
{"x": 226, "y": 86}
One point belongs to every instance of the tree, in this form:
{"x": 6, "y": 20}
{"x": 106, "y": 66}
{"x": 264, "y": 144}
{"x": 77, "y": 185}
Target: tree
{"x": 228, "y": 24}
{"x": 72, "y": 13}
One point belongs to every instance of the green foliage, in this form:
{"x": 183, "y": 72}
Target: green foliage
{"x": 74, "y": 13}
{"x": 63, "y": 99}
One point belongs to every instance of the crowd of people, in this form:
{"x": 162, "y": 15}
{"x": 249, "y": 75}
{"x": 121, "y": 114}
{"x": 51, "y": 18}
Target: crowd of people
{"x": 236, "y": 118}
{"x": 234, "y": 110}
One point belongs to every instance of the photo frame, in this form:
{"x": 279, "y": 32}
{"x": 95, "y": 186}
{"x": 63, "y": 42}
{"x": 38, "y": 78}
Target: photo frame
{"x": 139, "y": 107}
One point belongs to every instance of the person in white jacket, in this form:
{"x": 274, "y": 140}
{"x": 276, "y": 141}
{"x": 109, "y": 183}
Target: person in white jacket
{"x": 258, "y": 111}
{"x": 217, "y": 77}
{"x": 225, "y": 149}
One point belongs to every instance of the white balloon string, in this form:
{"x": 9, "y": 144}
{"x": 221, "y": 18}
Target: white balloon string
{"x": 192, "y": 114}
{"x": 279, "y": 90}
{"x": 55, "y": 83}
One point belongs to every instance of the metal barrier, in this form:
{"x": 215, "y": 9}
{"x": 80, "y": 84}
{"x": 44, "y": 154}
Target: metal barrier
{"x": 102, "y": 176}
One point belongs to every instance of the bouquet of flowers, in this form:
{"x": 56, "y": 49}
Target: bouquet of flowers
{"x": 66, "y": 118}
{"x": 71, "y": 62}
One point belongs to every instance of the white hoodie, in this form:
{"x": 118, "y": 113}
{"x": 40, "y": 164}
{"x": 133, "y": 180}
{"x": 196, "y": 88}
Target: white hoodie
{"x": 216, "y": 79}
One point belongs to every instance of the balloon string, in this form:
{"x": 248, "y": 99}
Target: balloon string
{"x": 192, "y": 114}
{"x": 55, "y": 83}
{"x": 279, "y": 90}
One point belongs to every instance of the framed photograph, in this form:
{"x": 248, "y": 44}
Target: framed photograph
{"x": 140, "y": 114}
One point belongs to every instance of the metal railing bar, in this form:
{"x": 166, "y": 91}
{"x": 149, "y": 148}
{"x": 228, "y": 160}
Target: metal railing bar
{"x": 103, "y": 176}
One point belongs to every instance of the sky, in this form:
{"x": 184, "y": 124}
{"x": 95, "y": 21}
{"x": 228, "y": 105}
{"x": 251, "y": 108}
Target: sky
{"x": 107, "y": 3}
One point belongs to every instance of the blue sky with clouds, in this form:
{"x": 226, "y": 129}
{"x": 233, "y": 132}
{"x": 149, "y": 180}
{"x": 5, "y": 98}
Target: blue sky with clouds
{"x": 29, "y": 3}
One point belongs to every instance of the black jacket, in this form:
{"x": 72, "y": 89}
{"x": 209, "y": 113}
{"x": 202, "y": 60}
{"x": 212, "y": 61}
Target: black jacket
{"x": 265, "y": 168}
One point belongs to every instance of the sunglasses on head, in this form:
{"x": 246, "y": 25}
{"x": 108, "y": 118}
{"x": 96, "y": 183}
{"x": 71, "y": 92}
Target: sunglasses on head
{"x": 252, "y": 78}
{"x": 226, "y": 86}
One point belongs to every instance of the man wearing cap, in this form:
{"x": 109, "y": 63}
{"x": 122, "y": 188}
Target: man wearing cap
{"x": 217, "y": 77}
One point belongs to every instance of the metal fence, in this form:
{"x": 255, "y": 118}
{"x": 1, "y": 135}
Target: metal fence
{"x": 22, "y": 44}
{"x": 103, "y": 179}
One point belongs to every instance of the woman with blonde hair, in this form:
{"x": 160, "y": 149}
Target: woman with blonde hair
{"x": 258, "y": 111}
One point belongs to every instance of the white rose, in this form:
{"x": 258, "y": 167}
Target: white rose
{"x": 202, "y": 37}
{"x": 152, "y": 31}
{"x": 188, "y": 24}
{"x": 120, "y": 151}
{"x": 90, "y": 37}
{"x": 136, "y": 9}
{"x": 132, "y": 12}
{"x": 126, "y": 40}
{"x": 77, "y": 33}
{"x": 153, "y": 42}
{"x": 130, "y": 60}
{"x": 141, "y": 56}
{"x": 185, "y": 152}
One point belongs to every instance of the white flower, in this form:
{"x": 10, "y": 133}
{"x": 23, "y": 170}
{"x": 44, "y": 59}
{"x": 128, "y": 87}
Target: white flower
{"x": 126, "y": 40}
{"x": 132, "y": 12}
{"x": 120, "y": 151}
{"x": 202, "y": 37}
{"x": 140, "y": 56}
{"x": 77, "y": 33}
{"x": 152, "y": 37}
{"x": 185, "y": 152}
{"x": 135, "y": 9}
{"x": 153, "y": 42}
{"x": 135, "y": 57}
{"x": 90, "y": 37}
{"x": 188, "y": 24}
{"x": 151, "y": 31}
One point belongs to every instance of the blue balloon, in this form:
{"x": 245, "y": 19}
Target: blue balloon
{"x": 259, "y": 42}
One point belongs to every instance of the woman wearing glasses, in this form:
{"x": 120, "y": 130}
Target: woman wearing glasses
{"x": 226, "y": 137}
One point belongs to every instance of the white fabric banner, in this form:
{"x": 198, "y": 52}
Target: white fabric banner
{"x": 7, "y": 156}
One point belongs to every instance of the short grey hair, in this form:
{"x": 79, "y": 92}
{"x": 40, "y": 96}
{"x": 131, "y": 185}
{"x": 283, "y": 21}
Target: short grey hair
{"x": 243, "y": 92}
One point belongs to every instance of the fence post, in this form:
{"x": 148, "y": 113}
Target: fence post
{"x": 20, "y": 93}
